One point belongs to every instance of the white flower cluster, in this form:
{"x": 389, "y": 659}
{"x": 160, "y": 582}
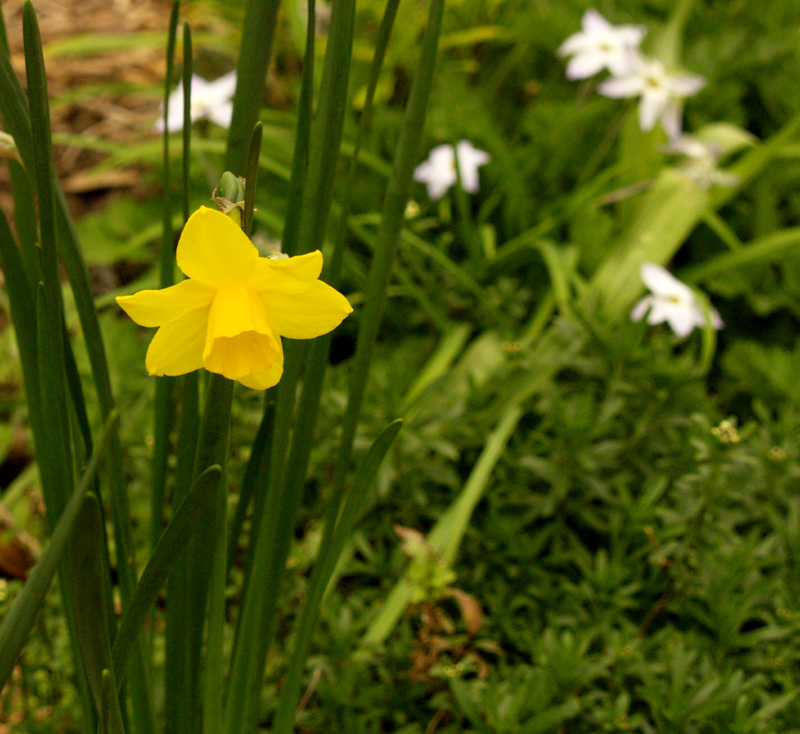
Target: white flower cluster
{"x": 601, "y": 46}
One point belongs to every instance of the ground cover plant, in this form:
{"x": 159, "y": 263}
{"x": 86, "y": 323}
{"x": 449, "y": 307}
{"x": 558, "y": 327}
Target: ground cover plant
{"x": 510, "y": 293}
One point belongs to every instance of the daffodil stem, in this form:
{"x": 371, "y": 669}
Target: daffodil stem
{"x": 256, "y": 625}
{"x": 177, "y": 644}
{"x": 206, "y": 571}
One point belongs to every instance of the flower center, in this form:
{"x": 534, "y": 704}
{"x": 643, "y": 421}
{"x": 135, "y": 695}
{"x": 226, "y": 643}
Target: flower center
{"x": 653, "y": 82}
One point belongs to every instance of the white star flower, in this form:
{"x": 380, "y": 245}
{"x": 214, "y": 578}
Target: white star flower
{"x": 438, "y": 172}
{"x": 671, "y": 301}
{"x": 601, "y": 45}
{"x": 661, "y": 93}
{"x": 210, "y": 101}
{"x": 702, "y": 159}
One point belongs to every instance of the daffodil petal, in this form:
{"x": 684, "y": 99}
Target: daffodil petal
{"x": 307, "y": 315}
{"x": 263, "y": 380}
{"x": 213, "y": 250}
{"x": 177, "y": 347}
{"x": 286, "y": 275}
{"x": 153, "y": 308}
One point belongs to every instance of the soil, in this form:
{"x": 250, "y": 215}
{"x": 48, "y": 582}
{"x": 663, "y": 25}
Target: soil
{"x": 75, "y": 61}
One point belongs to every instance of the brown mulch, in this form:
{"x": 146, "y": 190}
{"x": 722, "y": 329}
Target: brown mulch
{"x": 115, "y": 111}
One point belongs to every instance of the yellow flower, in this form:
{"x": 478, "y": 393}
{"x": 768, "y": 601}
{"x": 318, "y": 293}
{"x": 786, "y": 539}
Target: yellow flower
{"x": 231, "y": 312}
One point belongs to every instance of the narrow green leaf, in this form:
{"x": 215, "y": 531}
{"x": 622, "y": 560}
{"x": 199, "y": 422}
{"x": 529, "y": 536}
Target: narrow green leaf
{"x": 110, "y": 713}
{"x": 205, "y": 545}
{"x": 54, "y": 220}
{"x": 90, "y": 592}
{"x": 317, "y": 361}
{"x": 669, "y": 43}
{"x": 326, "y": 563}
{"x": 42, "y": 146}
{"x": 18, "y": 622}
{"x": 258, "y": 31}
{"x": 4, "y": 50}
{"x": 770, "y": 248}
{"x": 55, "y": 444}
{"x": 302, "y": 140}
{"x": 25, "y": 219}
{"x": 186, "y": 133}
{"x": 177, "y": 641}
{"x": 16, "y": 114}
{"x": 397, "y": 194}
{"x": 258, "y": 454}
{"x": 190, "y": 515}
{"x": 251, "y": 178}
{"x": 167, "y": 254}
{"x": 90, "y": 575}
{"x": 669, "y": 212}
{"x": 75, "y": 387}
{"x": 326, "y": 134}
{"x": 450, "y": 346}
{"x": 446, "y": 536}
{"x": 162, "y": 406}
{"x": 22, "y": 299}
{"x": 271, "y": 537}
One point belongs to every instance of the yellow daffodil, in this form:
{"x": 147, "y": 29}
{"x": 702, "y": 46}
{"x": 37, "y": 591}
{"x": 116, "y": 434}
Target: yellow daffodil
{"x": 231, "y": 312}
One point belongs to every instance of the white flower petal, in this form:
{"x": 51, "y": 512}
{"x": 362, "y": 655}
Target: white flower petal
{"x": 625, "y": 63}
{"x": 224, "y": 87}
{"x": 683, "y": 320}
{"x": 641, "y": 308}
{"x": 662, "y": 283}
{"x": 627, "y": 86}
{"x": 686, "y": 86}
{"x": 221, "y": 114}
{"x": 651, "y": 107}
{"x": 583, "y": 66}
{"x": 671, "y": 117}
{"x": 593, "y": 22}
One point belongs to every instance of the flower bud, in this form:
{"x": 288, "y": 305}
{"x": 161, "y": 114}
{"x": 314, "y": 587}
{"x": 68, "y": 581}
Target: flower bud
{"x": 229, "y": 194}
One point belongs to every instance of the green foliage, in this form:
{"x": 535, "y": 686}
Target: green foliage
{"x": 605, "y": 517}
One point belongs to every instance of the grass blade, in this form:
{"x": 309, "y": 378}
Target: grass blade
{"x": 21, "y": 296}
{"x": 90, "y": 591}
{"x": 394, "y": 206}
{"x": 302, "y": 141}
{"x": 162, "y": 407}
{"x": 260, "y": 18}
{"x": 19, "y": 620}
{"x": 326, "y": 563}
{"x": 190, "y": 515}
{"x": 445, "y": 538}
